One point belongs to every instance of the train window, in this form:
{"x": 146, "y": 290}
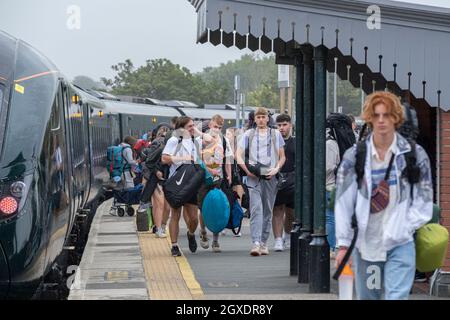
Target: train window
{"x": 26, "y": 119}
{"x": 77, "y": 131}
{"x": 55, "y": 118}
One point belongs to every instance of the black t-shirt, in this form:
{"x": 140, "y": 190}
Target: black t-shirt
{"x": 289, "y": 150}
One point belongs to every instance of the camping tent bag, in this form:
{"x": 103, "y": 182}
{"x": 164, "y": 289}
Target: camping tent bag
{"x": 431, "y": 247}
{"x": 216, "y": 210}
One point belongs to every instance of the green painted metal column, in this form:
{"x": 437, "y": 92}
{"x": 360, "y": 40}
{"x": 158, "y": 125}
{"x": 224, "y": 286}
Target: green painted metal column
{"x": 295, "y": 233}
{"x": 307, "y": 164}
{"x": 319, "y": 277}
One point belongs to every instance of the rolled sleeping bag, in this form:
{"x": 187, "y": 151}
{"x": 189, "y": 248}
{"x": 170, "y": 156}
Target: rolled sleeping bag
{"x": 216, "y": 210}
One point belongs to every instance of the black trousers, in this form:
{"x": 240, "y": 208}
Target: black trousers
{"x": 149, "y": 188}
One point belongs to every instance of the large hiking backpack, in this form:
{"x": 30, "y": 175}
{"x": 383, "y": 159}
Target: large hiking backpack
{"x": 153, "y": 153}
{"x": 341, "y": 131}
{"x": 410, "y": 127}
{"x": 116, "y": 163}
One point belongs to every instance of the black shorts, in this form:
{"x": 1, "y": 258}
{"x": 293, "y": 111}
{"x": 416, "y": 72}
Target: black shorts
{"x": 193, "y": 199}
{"x": 285, "y": 198}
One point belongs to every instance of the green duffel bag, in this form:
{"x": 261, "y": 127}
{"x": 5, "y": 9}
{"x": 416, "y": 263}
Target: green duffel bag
{"x": 151, "y": 223}
{"x": 431, "y": 247}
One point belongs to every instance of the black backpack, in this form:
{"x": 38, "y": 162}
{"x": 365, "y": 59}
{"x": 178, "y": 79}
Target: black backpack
{"x": 153, "y": 153}
{"x": 341, "y": 131}
{"x": 410, "y": 127}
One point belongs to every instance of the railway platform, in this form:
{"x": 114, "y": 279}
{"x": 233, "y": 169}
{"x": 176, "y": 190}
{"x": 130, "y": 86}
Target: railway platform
{"x": 122, "y": 264}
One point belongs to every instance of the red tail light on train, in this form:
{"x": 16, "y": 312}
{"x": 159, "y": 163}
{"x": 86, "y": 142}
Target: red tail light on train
{"x": 8, "y": 206}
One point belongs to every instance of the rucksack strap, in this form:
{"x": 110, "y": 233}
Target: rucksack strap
{"x": 349, "y": 250}
{"x": 361, "y": 151}
{"x": 197, "y": 149}
{"x": 251, "y": 135}
{"x": 412, "y": 170}
{"x": 271, "y": 135}
{"x": 125, "y": 159}
{"x": 239, "y": 229}
{"x": 388, "y": 171}
{"x": 179, "y": 145}
{"x": 224, "y": 172}
{"x": 361, "y": 133}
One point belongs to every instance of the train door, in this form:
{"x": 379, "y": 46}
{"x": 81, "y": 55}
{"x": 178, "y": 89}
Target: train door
{"x": 59, "y": 183}
{"x": 78, "y": 154}
{"x": 69, "y": 155}
{"x": 88, "y": 152}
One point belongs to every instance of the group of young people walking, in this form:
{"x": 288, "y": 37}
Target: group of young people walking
{"x": 258, "y": 162}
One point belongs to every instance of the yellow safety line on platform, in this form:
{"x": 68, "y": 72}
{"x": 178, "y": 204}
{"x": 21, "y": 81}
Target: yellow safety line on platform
{"x": 188, "y": 274}
{"x": 168, "y": 278}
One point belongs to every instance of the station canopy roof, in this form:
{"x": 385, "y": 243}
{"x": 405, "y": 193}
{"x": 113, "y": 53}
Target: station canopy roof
{"x": 410, "y": 52}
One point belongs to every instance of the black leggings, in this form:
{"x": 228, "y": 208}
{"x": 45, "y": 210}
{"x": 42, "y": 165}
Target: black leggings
{"x": 149, "y": 188}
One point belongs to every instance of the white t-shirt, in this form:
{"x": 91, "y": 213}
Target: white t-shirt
{"x": 372, "y": 248}
{"x": 264, "y": 146}
{"x": 185, "y": 148}
{"x": 212, "y": 154}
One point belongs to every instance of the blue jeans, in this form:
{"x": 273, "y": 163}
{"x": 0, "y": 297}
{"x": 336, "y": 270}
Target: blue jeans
{"x": 330, "y": 225}
{"x": 395, "y": 275}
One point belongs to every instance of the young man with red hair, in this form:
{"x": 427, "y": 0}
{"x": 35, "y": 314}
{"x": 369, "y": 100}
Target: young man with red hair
{"x": 388, "y": 207}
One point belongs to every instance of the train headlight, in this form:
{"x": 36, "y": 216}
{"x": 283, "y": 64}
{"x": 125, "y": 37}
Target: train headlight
{"x": 8, "y": 205}
{"x": 18, "y": 189}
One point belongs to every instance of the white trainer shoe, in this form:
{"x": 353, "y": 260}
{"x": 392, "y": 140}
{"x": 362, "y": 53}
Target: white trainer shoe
{"x": 278, "y": 247}
{"x": 264, "y": 250}
{"x": 204, "y": 241}
{"x": 216, "y": 247}
{"x": 255, "y": 251}
{"x": 287, "y": 243}
{"x": 160, "y": 233}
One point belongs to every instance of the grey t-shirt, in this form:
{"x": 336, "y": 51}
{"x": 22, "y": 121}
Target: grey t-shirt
{"x": 264, "y": 146}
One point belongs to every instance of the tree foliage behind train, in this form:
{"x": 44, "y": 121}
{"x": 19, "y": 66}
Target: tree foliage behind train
{"x": 164, "y": 80}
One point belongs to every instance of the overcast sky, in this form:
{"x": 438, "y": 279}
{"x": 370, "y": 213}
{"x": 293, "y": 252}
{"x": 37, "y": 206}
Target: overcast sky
{"x": 114, "y": 30}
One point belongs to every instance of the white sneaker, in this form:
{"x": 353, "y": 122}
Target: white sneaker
{"x": 204, "y": 241}
{"x": 143, "y": 206}
{"x": 264, "y": 250}
{"x": 255, "y": 251}
{"x": 216, "y": 247}
{"x": 160, "y": 234}
{"x": 287, "y": 243}
{"x": 278, "y": 247}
